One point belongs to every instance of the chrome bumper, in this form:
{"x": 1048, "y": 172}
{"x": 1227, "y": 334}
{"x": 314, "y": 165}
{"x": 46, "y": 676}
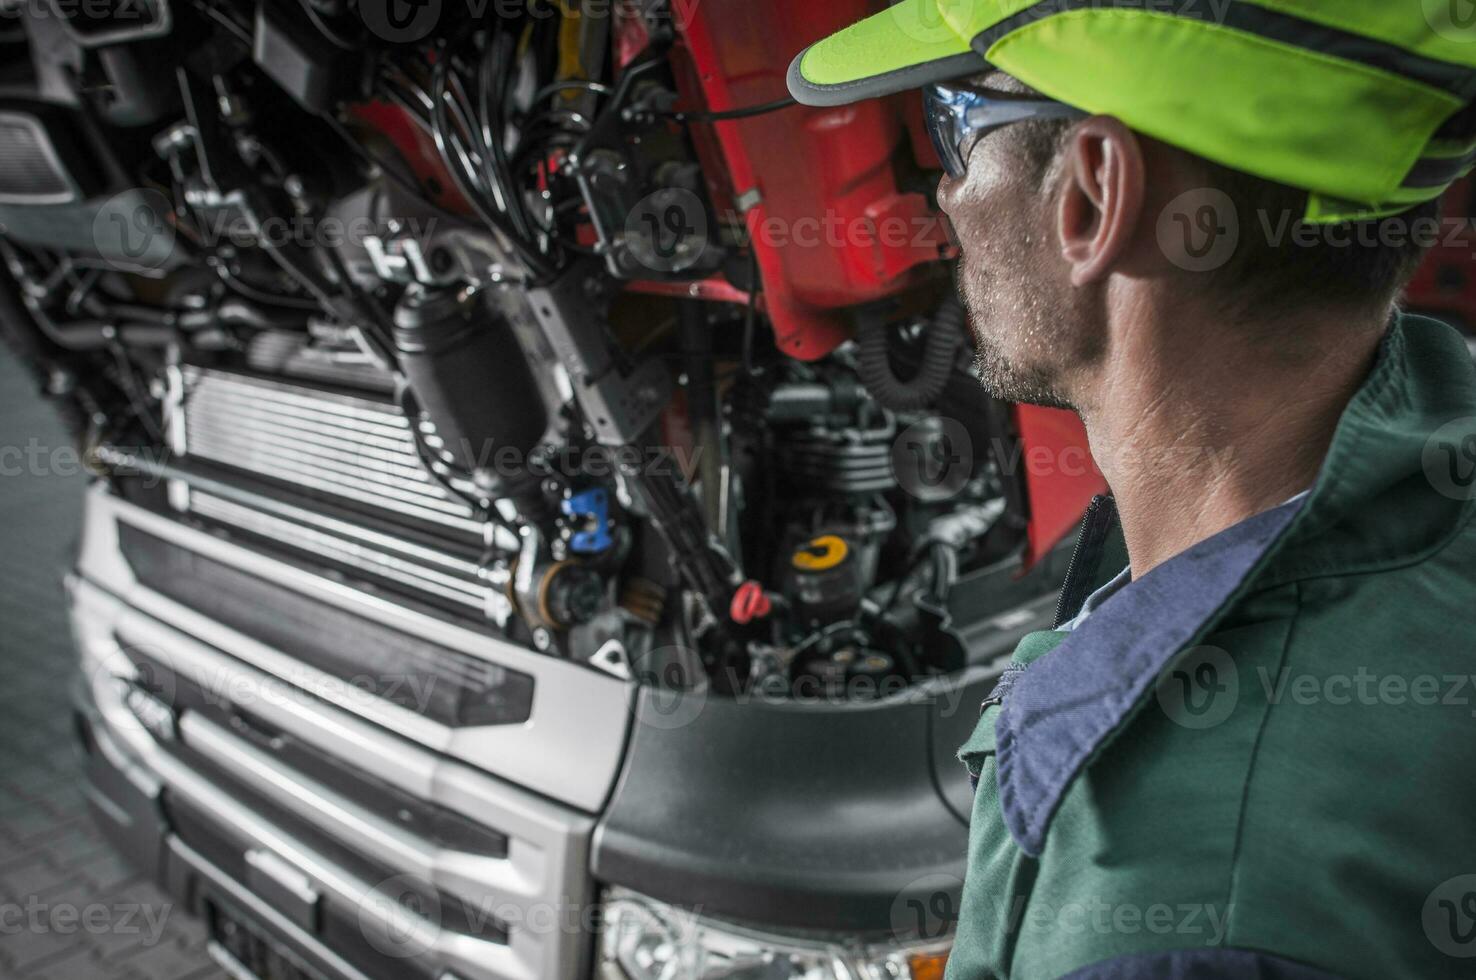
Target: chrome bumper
{"x": 534, "y": 785}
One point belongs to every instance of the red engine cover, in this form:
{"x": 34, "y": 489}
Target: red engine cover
{"x": 817, "y": 188}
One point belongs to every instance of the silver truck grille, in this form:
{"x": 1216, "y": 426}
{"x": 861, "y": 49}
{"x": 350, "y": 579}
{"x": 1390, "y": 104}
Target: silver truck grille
{"x": 329, "y": 474}
{"x": 354, "y": 448}
{"x": 270, "y": 757}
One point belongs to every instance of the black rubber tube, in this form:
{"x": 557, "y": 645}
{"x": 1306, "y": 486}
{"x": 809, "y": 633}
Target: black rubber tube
{"x": 939, "y": 350}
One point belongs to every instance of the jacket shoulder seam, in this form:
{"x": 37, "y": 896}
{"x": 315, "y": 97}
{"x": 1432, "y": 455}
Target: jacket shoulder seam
{"x": 1250, "y": 775}
{"x": 1377, "y": 566}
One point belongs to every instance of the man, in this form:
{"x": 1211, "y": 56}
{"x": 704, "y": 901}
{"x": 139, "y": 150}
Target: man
{"x": 1252, "y": 752}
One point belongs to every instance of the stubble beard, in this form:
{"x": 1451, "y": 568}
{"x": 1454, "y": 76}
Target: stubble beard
{"x": 1002, "y": 377}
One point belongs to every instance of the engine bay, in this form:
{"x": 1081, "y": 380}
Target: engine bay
{"x": 501, "y": 320}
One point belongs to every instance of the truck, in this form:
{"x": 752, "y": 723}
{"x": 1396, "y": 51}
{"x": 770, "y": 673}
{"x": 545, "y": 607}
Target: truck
{"x": 544, "y": 520}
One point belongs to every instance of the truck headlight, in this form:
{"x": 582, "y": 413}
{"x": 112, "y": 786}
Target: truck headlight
{"x": 643, "y": 939}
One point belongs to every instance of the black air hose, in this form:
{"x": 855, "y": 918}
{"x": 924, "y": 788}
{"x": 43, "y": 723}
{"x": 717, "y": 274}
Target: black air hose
{"x": 940, "y": 347}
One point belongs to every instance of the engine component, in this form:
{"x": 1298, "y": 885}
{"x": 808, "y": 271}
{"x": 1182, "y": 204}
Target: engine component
{"x": 850, "y": 671}
{"x": 619, "y": 402}
{"x": 644, "y": 600}
{"x": 588, "y": 522}
{"x": 308, "y": 67}
{"x": 45, "y": 156}
{"x": 472, "y": 381}
{"x": 110, "y": 22}
{"x": 569, "y": 595}
{"x": 940, "y": 350}
{"x": 828, "y": 578}
{"x": 827, "y": 460}
{"x": 553, "y": 595}
{"x": 644, "y": 204}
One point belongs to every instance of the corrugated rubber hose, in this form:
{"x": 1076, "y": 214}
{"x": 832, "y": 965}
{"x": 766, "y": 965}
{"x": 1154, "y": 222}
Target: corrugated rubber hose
{"x": 940, "y": 348}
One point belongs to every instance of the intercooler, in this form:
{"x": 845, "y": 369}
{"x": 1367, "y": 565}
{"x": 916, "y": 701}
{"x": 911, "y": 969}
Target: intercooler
{"x": 329, "y": 472}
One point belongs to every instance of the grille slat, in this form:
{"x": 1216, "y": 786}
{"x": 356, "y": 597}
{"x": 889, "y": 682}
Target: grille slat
{"x": 330, "y": 474}
{"x": 452, "y": 587}
{"x": 243, "y": 452}
{"x": 393, "y": 451}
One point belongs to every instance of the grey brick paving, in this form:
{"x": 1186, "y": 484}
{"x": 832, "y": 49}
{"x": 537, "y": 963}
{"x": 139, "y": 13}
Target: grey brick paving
{"x": 52, "y": 859}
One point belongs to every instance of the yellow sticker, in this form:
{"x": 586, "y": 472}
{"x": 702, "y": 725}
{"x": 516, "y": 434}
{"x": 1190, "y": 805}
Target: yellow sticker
{"x": 821, "y": 554}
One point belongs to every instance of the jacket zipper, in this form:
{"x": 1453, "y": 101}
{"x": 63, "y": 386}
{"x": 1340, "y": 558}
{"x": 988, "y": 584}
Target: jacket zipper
{"x": 1094, "y": 528}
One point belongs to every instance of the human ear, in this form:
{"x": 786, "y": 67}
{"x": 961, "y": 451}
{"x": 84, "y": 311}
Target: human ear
{"x": 1101, "y": 199}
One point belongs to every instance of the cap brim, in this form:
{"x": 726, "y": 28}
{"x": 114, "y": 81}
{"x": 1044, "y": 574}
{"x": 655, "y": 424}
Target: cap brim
{"x": 904, "y": 47}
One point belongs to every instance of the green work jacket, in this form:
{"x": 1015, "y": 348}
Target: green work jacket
{"x": 1259, "y": 759}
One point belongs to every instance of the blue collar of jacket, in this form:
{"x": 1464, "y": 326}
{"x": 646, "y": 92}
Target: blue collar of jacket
{"x": 1057, "y": 714}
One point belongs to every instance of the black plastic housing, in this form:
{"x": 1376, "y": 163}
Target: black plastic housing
{"x": 792, "y": 816}
{"x": 471, "y": 379}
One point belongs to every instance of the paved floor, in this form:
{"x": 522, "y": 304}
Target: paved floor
{"x": 69, "y": 908}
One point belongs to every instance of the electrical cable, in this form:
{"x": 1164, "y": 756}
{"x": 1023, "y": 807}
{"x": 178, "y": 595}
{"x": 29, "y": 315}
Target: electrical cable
{"x": 569, "y": 84}
{"x": 239, "y": 285}
{"x": 725, "y": 115}
{"x": 494, "y": 155}
{"x": 331, "y": 35}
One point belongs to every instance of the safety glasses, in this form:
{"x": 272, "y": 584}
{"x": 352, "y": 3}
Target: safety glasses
{"x": 958, "y": 117}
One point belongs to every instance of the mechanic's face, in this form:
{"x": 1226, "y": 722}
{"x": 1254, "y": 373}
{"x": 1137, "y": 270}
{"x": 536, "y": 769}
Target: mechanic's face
{"x": 1031, "y": 327}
